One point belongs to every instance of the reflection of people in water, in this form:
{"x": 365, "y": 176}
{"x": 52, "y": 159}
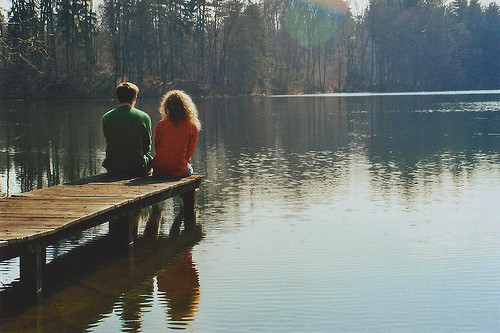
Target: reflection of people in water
{"x": 177, "y": 282}
{"x": 181, "y": 287}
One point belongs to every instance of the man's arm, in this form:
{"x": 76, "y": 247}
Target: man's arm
{"x": 147, "y": 141}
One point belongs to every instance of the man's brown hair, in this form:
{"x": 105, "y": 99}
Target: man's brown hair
{"x": 126, "y": 92}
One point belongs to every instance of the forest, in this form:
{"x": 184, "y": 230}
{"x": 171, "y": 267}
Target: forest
{"x": 69, "y": 49}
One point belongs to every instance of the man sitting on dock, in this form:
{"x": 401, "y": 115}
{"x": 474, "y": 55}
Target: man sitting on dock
{"x": 127, "y": 131}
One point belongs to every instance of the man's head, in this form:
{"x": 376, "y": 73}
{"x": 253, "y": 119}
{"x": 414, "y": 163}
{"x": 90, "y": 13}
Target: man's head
{"x": 127, "y": 93}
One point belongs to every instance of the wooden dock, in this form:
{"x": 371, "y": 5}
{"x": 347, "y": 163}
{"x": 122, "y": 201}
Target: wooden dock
{"x": 31, "y": 221}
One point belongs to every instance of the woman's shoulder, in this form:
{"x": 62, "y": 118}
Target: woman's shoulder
{"x": 192, "y": 125}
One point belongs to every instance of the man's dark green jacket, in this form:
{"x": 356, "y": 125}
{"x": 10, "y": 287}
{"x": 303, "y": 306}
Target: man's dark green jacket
{"x": 127, "y": 131}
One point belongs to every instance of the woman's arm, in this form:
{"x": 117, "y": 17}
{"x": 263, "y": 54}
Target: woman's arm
{"x": 193, "y": 137}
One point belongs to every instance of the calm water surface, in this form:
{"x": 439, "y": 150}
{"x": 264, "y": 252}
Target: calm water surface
{"x": 317, "y": 214}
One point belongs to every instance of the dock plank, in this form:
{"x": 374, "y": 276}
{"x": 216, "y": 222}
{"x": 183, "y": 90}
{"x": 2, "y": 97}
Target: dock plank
{"x": 13, "y": 206}
{"x": 53, "y": 209}
{"x": 36, "y": 214}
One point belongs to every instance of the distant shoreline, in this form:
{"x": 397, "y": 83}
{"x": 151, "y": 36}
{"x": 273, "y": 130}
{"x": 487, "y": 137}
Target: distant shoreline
{"x": 401, "y": 93}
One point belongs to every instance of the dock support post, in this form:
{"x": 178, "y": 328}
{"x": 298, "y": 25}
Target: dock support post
{"x": 189, "y": 210}
{"x": 153, "y": 223}
{"x": 123, "y": 230}
{"x": 31, "y": 270}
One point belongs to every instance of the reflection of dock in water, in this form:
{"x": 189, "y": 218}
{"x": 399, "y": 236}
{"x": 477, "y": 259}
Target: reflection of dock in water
{"x": 95, "y": 285}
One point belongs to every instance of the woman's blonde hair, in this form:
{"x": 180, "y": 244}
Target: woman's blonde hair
{"x": 177, "y": 105}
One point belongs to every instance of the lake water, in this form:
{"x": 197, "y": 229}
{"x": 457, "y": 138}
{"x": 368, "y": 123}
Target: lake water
{"x": 336, "y": 213}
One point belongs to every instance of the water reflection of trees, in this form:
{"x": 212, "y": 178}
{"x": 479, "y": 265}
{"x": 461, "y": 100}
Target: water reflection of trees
{"x": 44, "y": 144}
{"x": 415, "y": 140}
{"x": 258, "y": 147}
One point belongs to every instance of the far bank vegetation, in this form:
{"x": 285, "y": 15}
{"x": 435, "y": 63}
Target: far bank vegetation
{"x": 63, "y": 48}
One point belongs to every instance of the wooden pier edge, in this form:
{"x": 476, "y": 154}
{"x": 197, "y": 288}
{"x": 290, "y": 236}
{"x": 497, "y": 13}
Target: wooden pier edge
{"x": 147, "y": 191}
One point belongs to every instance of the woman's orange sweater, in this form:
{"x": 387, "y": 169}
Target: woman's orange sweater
{"x": 174, "y": 146}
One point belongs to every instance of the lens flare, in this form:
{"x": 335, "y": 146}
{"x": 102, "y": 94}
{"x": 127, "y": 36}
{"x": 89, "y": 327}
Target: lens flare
{"x": 314, "y": 21}
{"x": 339, "y": 6}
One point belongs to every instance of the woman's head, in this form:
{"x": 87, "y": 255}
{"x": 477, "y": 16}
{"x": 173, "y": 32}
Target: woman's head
{"x": 177, "y": 106}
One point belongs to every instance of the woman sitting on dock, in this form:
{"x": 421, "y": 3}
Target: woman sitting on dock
{"x": 175, "y": 135}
